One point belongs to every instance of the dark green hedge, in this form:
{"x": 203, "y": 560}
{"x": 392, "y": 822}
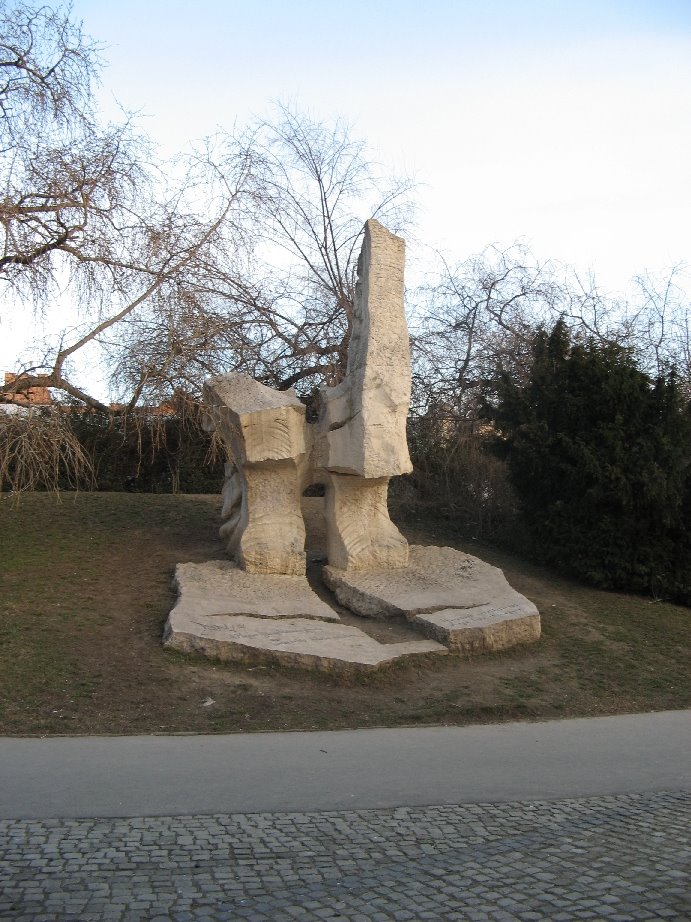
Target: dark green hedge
{"x": 598, "y": 455}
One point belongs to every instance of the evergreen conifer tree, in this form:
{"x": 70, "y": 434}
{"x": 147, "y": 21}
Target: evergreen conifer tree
{"x": 599, "y": 457}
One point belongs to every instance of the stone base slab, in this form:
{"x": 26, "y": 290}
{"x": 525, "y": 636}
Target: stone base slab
{"x": 290, "y": 641}
{"x": 460, "y": 603}
{"x": 228, "y": 614}
{"x": 220, "y": 587}
{"x": 484, "y": 629}
{"x": 457, "y": 599}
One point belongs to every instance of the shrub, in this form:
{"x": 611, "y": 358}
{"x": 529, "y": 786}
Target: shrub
{"x": 454, "y": 476}
{"x": 148, "y": 452}
{"x": 599, "y": 454}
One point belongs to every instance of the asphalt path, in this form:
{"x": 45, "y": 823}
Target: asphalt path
{"x": 73, "y": 777}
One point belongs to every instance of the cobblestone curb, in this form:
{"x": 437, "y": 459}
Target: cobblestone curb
{"x": 606, "y": 858}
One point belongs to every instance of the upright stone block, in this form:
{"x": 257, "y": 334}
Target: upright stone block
{"x": 264, "y": 434}
{"x": 359, "y": 533}
{"x": 365, "y": 416}
{"x": 363, "y": 425}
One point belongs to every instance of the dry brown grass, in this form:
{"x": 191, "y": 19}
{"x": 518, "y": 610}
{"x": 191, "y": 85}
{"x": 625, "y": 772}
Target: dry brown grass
{"x": 85, "y": 590}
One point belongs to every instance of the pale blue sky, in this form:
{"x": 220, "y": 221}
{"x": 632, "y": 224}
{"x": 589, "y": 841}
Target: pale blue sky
{"x": 565, "y": 123}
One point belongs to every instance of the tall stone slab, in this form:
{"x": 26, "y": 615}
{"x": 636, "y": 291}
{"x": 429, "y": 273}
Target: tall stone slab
{"x": 363, "y": 424}
{"x": 365, "y": 415}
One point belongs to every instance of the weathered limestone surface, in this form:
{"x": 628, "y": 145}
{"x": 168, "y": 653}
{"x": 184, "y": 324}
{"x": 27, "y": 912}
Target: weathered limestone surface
{"x": 366, "y": 414}
{"x": 220, "y": 587}
{"x": 228, "y": 614}
{"x": 261, "y": 423}
{"x": 359, "y": 532}
{"x": 265, "y": 436}
{"x": 446, "y": 594}
{"x": 482, "y": 629}
{"x": 293, "y": 642}
{"x": 362, "y": 432}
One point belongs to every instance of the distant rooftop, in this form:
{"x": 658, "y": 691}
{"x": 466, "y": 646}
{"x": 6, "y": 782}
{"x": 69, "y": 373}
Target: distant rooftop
{"x": 34, "y": 396}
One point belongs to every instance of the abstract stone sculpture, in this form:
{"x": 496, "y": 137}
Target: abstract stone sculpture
{"x": 359, "y": 442}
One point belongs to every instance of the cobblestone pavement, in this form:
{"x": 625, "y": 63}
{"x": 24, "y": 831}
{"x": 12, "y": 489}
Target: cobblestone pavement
{"x": 612, "y": 858}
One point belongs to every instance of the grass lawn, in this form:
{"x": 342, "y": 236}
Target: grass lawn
{"x": 85, "y": 591}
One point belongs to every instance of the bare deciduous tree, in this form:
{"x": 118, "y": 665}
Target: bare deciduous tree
{"x": 38, "y": 450}
{"x": 482, "y": 314}
{"x": 660, "y": 323}
{"x": 246, "y": 261}
{"x": 281, "y": 309}
{"x": 319, "y": 187}
{"x": 53, "y": 162}
{"x": 89, "y": 224}
{"x": 84, "y": 220}
{"x": 474, "y": 316}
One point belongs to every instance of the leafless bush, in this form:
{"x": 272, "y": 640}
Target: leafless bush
{"x": 39, "y": 451}
{"x": 456, "y": 476}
